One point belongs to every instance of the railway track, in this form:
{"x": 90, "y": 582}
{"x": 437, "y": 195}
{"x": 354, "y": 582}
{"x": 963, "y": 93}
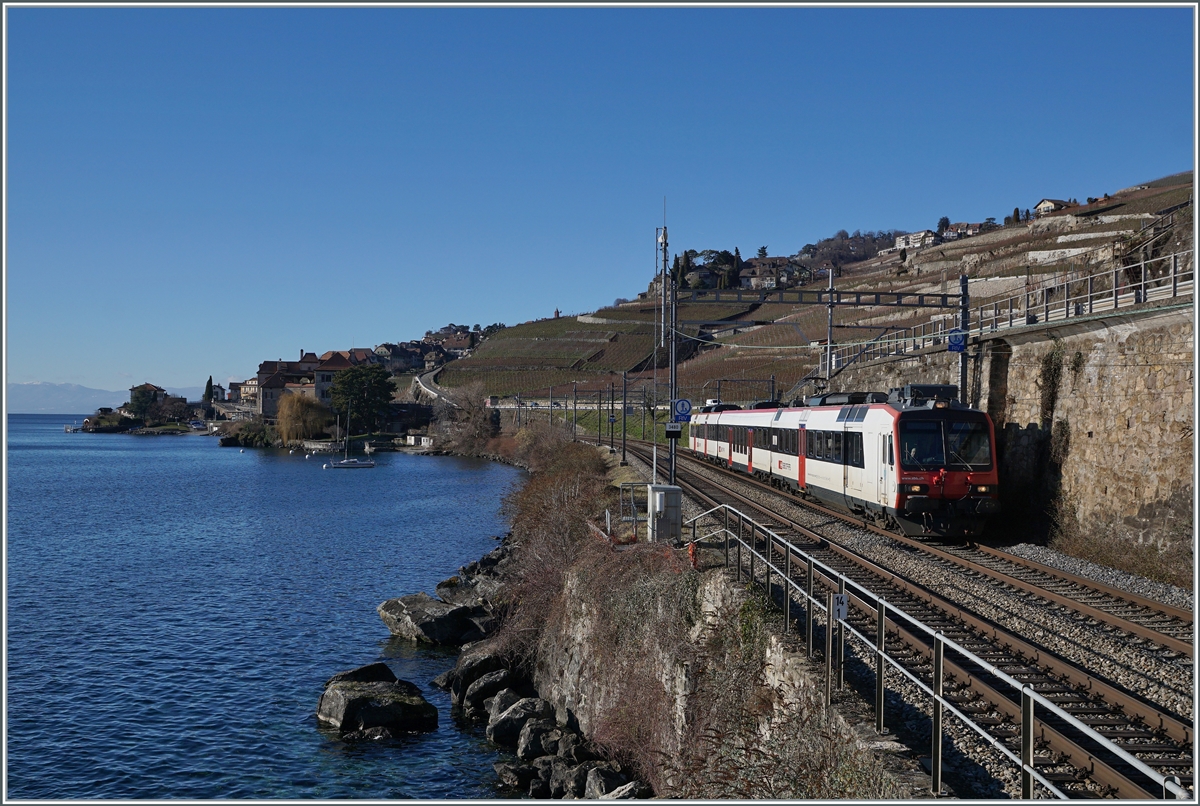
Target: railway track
{"x": 1065, "y": 757}
{"x": 1170, "y": 629}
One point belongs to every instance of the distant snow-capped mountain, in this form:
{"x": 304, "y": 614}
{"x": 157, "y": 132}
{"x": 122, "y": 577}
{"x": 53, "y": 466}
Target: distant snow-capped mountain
{"x": 37, "y": 397}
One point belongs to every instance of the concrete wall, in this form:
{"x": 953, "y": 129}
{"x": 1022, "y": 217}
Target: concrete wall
{"x": 1093, "y": 419}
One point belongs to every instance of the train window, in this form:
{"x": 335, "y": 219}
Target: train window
{"x": 967, "y": 444}
{"x": 921, "y": 446}
{"x": 891, "y": 450}
{"x": 836, "y": 456}
{"x": 854, "y": 449}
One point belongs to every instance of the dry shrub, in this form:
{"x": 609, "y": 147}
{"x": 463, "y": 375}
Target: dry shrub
{"x": 681, "y": 702}
{"x": 468, "y": 424}
{"x": 538, "y": 445}
{"x": 549, "y": 516}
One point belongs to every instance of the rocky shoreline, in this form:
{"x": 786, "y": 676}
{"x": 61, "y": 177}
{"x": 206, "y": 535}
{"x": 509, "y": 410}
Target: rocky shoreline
{"x": 554, "y": 760}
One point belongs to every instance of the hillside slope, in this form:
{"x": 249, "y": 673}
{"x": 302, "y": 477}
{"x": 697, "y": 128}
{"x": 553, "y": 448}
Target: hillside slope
{"x": 752, "y": 349}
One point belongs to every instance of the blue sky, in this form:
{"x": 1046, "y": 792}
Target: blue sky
{"x": 193, "y": 190}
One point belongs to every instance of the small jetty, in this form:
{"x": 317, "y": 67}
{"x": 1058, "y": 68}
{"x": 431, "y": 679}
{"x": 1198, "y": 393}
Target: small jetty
{"x": 72, "y": 429}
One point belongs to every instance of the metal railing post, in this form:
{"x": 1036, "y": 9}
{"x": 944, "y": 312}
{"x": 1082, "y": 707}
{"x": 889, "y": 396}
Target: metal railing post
{"x": 787, "y": 590}
{"x": 1026, "y": 743}
{"x": 1174, "y": 275}
{"x": 829, "y": 648}
{"x": 841, "y": 649}
{"x": 1143, "y": 290}
{"x": 1045, "y": 305}
{"x": 739, "y": 549}
{"x": 753, "y": 546}
{"x": 1091, "y": 290}
{"x": 1010, "y": 311}
{"x": 1116, "y": 289}
{"x": 939, "y": 650}
{"x": 810, "y": 607}
{"x": 880, "y": 665}
{"x": 727, "y": 537}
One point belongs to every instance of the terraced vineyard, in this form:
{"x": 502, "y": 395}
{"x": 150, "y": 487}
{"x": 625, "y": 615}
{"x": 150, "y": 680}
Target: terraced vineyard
{"x": 784, "y": 340}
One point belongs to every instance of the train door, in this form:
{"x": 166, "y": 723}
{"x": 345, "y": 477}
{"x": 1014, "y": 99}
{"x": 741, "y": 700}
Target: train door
{"x": 852, "y": 459}
{"x": 887, "y": 470}
{"x": 730, "y": 446}
{"x": 801, "y": 455}
{"x": 750, "y": 451}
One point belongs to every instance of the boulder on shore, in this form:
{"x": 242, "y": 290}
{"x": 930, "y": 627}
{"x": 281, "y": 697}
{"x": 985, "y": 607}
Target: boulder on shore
{"x": 370, "y": 703}
{"x": 420, "y": 617}
{"x": 472, "y": 664}
{"x": 505, "y": 729}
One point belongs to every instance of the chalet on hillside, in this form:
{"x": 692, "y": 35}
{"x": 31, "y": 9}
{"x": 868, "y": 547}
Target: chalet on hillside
{"x": 1047, "y": 206}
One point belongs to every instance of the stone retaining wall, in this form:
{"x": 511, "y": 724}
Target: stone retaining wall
{"x": 1093, "y": 419}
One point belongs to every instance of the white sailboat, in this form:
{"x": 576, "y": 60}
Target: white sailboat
{"x": 347, "y": 463}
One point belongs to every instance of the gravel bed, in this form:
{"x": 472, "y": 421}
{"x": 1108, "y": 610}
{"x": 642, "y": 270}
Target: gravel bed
{"x": 1159, "y": 591}
{"x": 1107, "y": 653}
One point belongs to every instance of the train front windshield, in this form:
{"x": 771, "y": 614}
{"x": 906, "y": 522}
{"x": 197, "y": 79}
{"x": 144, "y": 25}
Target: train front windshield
{"x": 953, "y": 444}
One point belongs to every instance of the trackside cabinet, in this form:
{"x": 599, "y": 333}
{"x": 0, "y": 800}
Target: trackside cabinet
{"x": 664, "y": 513}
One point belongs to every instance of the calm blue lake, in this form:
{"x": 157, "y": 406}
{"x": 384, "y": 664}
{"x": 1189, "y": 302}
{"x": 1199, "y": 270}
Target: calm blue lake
{"x": 174, "y": 608}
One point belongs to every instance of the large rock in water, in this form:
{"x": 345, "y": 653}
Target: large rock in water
{"x": 420, "y": 617}
{"x": 369, "y": 702}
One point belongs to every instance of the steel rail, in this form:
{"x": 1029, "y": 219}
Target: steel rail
{"x": 1062, "y": 743}
{"x": 1085, "y": 759}
{"x": 1067, "y": 576}
{"x": 1171, "y": 642}
{"x": 1178, "y": 729}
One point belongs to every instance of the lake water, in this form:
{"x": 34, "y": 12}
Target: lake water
{"x": 174, "y": 608}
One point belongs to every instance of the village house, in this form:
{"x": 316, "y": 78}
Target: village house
{"x": 331, "y": 364}
{"x": 460, "y": 344}
{"x": 766, "y": 273}
{"x": 244, "y": 393}
{"x": 274, "y": 376}
{"x": 916, "y": 240}
{"x": 1047, "y": 206}
{"x": 700, "y": 278}
{"x": 158, "y": 392}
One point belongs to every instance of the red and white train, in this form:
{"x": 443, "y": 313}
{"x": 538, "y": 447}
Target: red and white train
{"x": 915, "y": 459}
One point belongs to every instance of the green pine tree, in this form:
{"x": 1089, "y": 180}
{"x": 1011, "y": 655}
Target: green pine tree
{"x": 208, "y": 390}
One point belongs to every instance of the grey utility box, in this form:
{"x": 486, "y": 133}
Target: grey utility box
{"x": 664, "y": 513}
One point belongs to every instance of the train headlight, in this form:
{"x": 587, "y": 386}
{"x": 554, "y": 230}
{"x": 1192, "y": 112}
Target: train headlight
{"x": 913, "y": 488}
{"x": 980, "y": 488}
